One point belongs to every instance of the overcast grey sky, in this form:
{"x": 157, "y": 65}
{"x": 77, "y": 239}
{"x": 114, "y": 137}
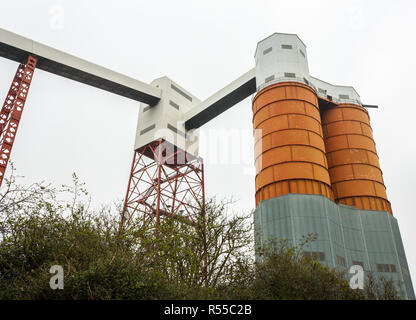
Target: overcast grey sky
{"x": 68, "y": 126}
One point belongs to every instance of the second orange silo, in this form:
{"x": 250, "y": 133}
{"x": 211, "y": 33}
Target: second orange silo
{"x": 289, "y": 149}
{"x": 354, "y": 168}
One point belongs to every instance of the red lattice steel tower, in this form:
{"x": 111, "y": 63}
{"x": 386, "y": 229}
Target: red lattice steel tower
{"x": 164, "y": 181}
{"x": 12, "y": 110}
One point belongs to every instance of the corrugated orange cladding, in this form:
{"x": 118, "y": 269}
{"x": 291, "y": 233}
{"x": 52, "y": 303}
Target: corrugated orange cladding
{"x": 289, "y": 151}
{"x": 356, "y": 177}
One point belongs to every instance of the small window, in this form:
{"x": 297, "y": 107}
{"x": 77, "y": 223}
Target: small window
{"x": 386, "y": 268}
{"x": 268, "y": 79}
{"x": 323, "y": 91}
{"x": 176, "y": 130}
{"x": 302, "y": 53}
{"x": 147, "y": 129}
{"x": 287, "y": 46}
{"x": 290, "y": 75}
{"x": 173, "y": 104}
{"x": 344, "y": 96}
{"x": 267, "y": 50}
{"x": 341, "y": 261}
{"x": 358, "y": 263}
{"x": 316, "y": 255}
{"x": 181, "y": 92}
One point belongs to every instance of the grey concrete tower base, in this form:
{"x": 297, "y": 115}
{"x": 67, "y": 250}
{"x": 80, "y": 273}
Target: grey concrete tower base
{"x": 345, "y": 235}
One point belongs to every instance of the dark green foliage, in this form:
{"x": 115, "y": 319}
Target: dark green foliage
{"x": 210, "y": 258}
{"x": 287, "y": 274}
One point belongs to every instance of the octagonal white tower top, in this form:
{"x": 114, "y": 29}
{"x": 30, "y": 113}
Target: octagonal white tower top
{"x": 280, "y": 57}
{"x": 283, "y": 57}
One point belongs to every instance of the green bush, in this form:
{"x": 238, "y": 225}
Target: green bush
{"x": 211, "y": 257}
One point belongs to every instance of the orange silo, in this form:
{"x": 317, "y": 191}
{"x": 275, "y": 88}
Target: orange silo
{"x": 354, "y": 168}
{"x": 289, "y": 151}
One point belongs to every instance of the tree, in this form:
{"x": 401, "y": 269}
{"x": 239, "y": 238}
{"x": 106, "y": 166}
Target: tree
{"x": 100, "y": 262}
{"x": 208, "y": 257}
{"x": 199, "y": 254}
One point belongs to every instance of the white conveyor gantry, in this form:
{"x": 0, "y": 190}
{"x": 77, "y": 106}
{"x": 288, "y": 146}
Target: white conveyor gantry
{"x": 18, "y": 48}
{"x": 222, "y": 100}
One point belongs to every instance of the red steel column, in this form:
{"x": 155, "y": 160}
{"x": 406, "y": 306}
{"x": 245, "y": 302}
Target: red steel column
{"x": 12, "y": 109}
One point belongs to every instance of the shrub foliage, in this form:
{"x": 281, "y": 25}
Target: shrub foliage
{"x": 210, "y": 257}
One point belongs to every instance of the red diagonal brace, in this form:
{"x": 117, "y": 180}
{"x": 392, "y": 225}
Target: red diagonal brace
{"x": 12, "y": 109}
